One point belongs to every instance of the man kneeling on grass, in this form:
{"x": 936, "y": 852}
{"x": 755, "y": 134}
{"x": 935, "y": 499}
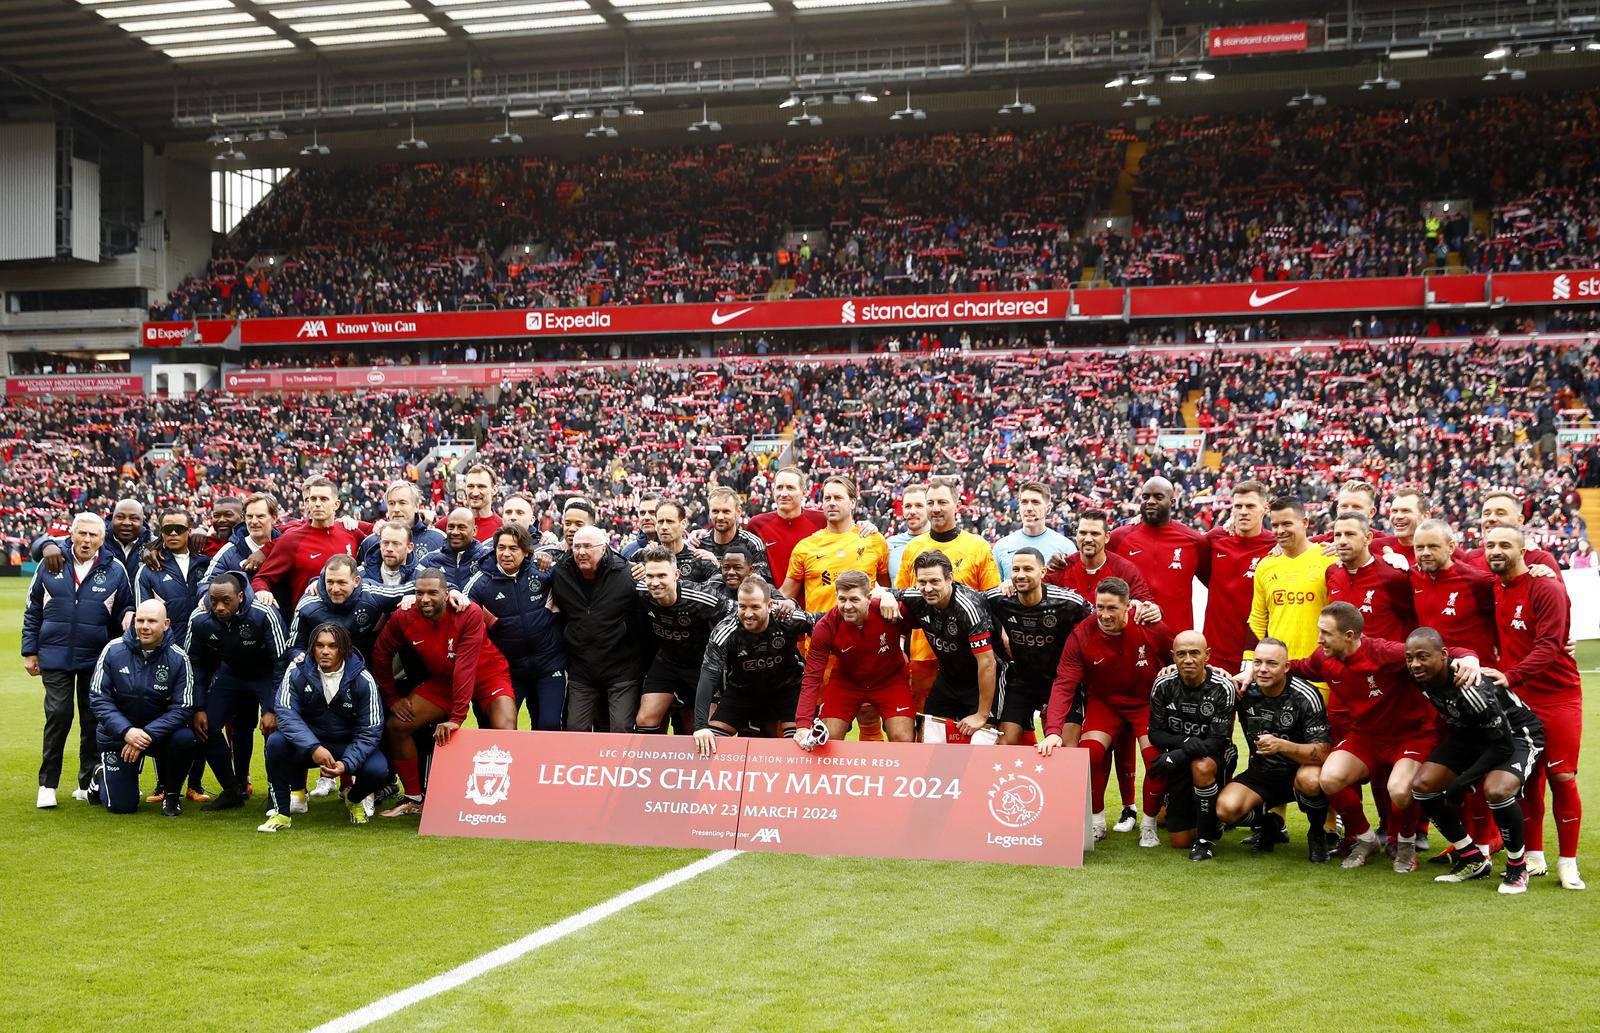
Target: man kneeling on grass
{"x": 329, "y": 715}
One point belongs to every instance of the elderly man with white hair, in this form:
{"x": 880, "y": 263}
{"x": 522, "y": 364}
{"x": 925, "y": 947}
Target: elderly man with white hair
{"x": 593, "y": 588}
{"x": 70, "y": 616}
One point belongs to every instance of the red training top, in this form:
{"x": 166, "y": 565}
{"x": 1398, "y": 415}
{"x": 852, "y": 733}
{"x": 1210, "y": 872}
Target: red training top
{"x": 1382, "y": 594}
{"x": 1116, "y": 668}
{"x": 456, "y": 645}
{"x": 1534, "y": 621}
{"x": 1168, "y": 555}
{"x": 867, "y": 656}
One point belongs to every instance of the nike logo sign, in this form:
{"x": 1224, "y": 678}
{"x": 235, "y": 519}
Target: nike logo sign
{"x": 845, "y": 649}
{"x": 1097, "y": 663}
{"x": 1134, "y": 552}
{"x": 316, "y": 555}
{"x": 414, "y": 642}
{"x": 719, "y": 317}
{"x": 1257, "y": 300}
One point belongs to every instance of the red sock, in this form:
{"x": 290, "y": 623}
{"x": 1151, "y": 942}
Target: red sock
{"x": 1480, "y": 825}
{"x": 1099, "y": 772}
{"x": 1380, "y": 801}
{"x": 410, "y": 778}
{"x": 1564, "y": 800}
{"x": 1533, "y": 811}
{"x": 1347, "y": 804}
{"x": 1126, "y": 745}
{"x": 1404, "y": 820}
{"x": 1154, "y": 790}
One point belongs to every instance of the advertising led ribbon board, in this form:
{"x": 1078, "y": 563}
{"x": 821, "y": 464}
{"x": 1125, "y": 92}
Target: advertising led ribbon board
{"x": 907, "y": 800}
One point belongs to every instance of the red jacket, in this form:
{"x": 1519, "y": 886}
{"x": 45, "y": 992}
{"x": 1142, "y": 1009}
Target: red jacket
{"x": 1382, "y": 594}
{"x": 297, "y": 558}
{"x": 780, "y": 535}
{"x": 1533, "y": 618}
{"x": 1458, "y": 603}
{"x": 1371, "y": 689}
{"x": 866, "y": 656}
{"x": 1116, "y": 668}
{"x": 1082, "y": 581}
{"x": 1228, "y": 568}
{"x": 1168, "y": 556}
{"x": 456, "y": 646}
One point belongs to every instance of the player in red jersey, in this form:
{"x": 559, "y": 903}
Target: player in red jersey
{"x": 788, "y": 522}
{"x": 1391, "y": 727}
{"x": 870, "y": 667}
{"x": 477, "y": 495}
{"x": 1082, "y": 573}
{"x": 1379, "y": 590}
{"x": 454, "y": 666}
{"x": 1454, "y": 599}
{"x": 1534, "y": 621}
{"x": 1504, "y": 509}
{"x": 1407, "y": 510}
{"x": 1228, "y": 561}
{"x": 1358, "y": 497}
{"x": 1103, "y": 686}
{"x": 300, "y": 553}
{"x": 1166, "y": 553}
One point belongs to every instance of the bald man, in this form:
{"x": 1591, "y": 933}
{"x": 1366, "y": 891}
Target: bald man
{"x": 143, "y": 694}
{"x": 1167, "y": 553}
{"x": 463, "y": 554}
{"x": 1191, "y": 723}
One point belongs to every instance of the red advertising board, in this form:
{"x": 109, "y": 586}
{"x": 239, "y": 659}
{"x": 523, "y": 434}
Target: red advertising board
{"x": 912, "y": 800}
{"x": 1215, "y": 299}
{"x": 77, "y": 384}
{"x": 1239, "y": 40}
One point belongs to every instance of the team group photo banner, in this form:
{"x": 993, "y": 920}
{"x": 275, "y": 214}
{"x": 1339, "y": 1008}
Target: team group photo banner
{"x": 904, "y": 800}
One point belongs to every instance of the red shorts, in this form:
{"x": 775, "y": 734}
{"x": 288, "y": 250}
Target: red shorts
{"x": 841, "y": 700}
{"x": 1111, "y": 716}
{"x": 1383, "y": 754}
{"x": 439, "y": 692}
{"x": 1563, "y": 732}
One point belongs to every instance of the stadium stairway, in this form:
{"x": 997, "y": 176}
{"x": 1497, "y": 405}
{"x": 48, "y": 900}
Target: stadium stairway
{"x": 1211, "y": 459}
{"x": 1122, "y": 194}
{"x": 1589, "y": 509}
{"x": 780, "y": 290}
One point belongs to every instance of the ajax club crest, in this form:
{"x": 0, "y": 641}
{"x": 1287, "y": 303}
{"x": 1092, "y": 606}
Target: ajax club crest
{"x": 1016, "y": 800}
{"x": 490, "y": 781}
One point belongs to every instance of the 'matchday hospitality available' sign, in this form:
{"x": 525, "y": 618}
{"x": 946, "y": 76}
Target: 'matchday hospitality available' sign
{"x": 913, "y": 800}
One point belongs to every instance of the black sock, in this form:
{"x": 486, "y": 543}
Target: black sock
{"x": 1206, "y": 798}
{"x": 1444, "y": 815}
{"x": 650, "y": 729}
{"x": 1315, "y": 808}
{"x": 1252, "y": 818}
{"x": 1508, "y": 816}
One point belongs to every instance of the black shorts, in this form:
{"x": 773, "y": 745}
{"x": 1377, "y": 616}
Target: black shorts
{"x": 665, "y": 677}
{"x": 951, "y": 701}
{"x": 1183, "y": 810}
{"x": 1273, "y": 783}
{"x": 1460, "y": 752}
{"x": 1020, "y": 700}
{"x": 758, "y": 708}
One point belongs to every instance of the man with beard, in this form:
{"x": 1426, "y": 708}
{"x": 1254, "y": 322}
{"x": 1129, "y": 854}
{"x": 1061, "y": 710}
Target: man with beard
{"x": 462, "y": 554}
{"x": 454, "y": 668}
{"x": 392, "y": 564}
{"x": 1533, "y": 619}
{"x": 1034, "y": 621}
{"x": 693, "y": 564}
{"x": 1166, "y": 553}
{"x": 1492, "y": 742}
{"x": 751, "y": 673}
{"x": 724, "y": 507}
{"x": 680, "y": 615}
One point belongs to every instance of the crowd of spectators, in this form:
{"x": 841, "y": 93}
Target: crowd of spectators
{"x": 1337, "y": 192}
{"x": 1279, "y": 195}
{"x": 1454, "y": 422}
{"x": 902, "y": 214}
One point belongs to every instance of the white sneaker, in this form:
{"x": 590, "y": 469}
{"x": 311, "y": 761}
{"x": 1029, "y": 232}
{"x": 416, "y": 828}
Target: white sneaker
{"x": 1097, "y": 823}
{"x": 297, "y": 802}
{"x": 324, "y": 787}
{"x": 1567, "y": 872}
{"x": 47, "y": 798}
{"x": 1129, "y": 819}
{"x": 1147, "y": 833}
{"x": 1537, "y": 865}
{"x": 81, "y": 795}
{"x": 368, "y": 806}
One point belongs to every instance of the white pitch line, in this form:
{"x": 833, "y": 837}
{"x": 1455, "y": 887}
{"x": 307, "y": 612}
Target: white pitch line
{"x": 383, "y": 1007}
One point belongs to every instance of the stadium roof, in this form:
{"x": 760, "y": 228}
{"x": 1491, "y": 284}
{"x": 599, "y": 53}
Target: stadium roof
{"x": 183, "y": 70}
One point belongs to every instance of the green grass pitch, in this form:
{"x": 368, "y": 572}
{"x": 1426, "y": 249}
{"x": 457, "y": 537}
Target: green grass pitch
{"x": 202, "y": 924}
